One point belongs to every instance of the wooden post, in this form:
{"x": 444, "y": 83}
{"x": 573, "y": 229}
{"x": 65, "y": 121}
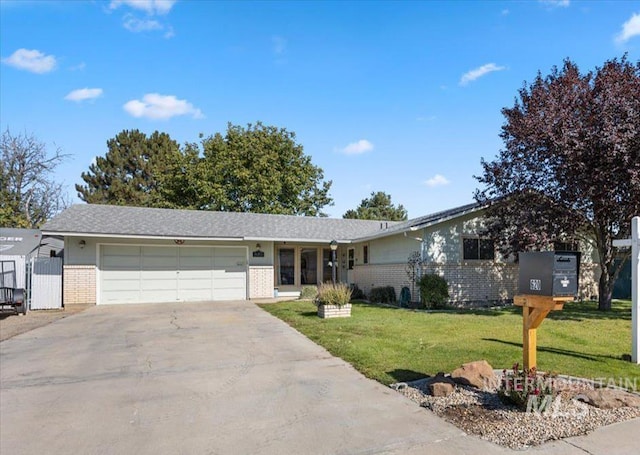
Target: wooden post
{"x": 534, "y": 309}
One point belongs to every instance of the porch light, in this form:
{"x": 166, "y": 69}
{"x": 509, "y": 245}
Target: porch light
{"x": 82, "y": 244}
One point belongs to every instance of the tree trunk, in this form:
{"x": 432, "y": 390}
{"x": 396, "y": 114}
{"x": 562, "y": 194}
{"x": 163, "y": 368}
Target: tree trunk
{"x": 605, "y": 292}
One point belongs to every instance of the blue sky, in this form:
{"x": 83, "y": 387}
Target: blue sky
{"x": 401, "y": 97}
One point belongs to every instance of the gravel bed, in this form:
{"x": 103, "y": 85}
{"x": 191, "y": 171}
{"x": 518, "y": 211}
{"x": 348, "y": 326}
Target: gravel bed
{"x": 483, "y": 414}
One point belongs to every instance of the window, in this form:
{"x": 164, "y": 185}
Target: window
{"x": 365, "y": 254}
{"x": 286, "y": 262}
{"x": 327, "y": 267}
{"x": 351, "y": 258}
{"x": 478, "y": 249}
{"x": 309, "y": 266}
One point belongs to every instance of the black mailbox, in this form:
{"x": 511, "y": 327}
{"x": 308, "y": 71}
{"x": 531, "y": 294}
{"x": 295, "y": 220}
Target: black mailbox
{"x": 549, "y": 273}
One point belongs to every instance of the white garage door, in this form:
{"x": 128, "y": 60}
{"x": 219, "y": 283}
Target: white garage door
{"x": 137, "y": 274}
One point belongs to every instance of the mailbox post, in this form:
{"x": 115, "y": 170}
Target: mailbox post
{"x": 546, "y": 281}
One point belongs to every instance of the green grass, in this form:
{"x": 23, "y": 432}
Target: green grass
{"x": 391, "y": 345}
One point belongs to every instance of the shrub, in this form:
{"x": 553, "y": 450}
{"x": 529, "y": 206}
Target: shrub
{"x": 357, "y": 293}
{"x": 333, "y": 294}
{"x": 308, "y": 293}
{"x": 384, "y": 294}
{"x": 526, "y": 389}
{"x": 434, "y": 291}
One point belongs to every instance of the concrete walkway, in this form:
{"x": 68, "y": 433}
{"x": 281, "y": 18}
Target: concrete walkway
{"x": 215, "y": 378}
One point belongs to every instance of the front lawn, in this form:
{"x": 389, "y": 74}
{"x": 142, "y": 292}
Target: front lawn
{"x": 392, "y": 345}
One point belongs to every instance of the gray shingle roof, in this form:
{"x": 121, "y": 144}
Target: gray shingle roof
{"x": 424, "y": 221}
{"x": 136, "y": 221}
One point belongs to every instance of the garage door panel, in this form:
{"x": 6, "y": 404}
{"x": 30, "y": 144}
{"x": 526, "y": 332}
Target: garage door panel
{"x": 120, "y": 262}
{"x": 166, "y": 274}
{"x": 121, "y": 250}
{"x": 163, "y": 251}
{"x": 191, "y": 252}
{"x": 124, "y": 285}
{"x": 159, "y": 284}
{"x": 197, "y": 263}
{"x": 159, "y": 263}
{"x": 196, "y": 275}
{"x": 169, "y": 275}
{"x": 121, "y": 274}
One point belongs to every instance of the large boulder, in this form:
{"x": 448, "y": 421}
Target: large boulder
{"x": 441, "y": 389}
{"x": 440, "y": 385}
{"x": 478, "y": 374}
{"x": 609, "y": 398}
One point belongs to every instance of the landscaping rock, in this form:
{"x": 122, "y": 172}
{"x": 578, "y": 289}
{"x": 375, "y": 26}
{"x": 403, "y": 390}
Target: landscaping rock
{"x": 478, "y": 374}
{"x": 609, "y": 398}
{"x": 441, "y": 389}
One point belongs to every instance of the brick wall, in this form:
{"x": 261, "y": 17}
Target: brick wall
{"x": 373, "y": 276}
{"x": 478, "y": 281}
{"x": 260, "y": 282}
{"x": 79, "y": 285}
{"x": 468, "y": 281}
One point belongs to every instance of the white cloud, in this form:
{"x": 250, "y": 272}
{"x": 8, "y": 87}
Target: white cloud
{"x": 437, "y": 180}
{"x": 630, "y": 29}
{"x": 163, "y": 107}
{"x": 476, "y": 73}
{"x": 149, "y": 6}
{"x": 357, "y": 148}
{"x": 83, "y": 94}
{"x": 79, "y": 67}
{"x": 169, "y": 33}
{"x": 31, "y": 60}
{"x": 133, "y": 24}
{"x": 556, "y": 3}
{"x": 504, "y": 12}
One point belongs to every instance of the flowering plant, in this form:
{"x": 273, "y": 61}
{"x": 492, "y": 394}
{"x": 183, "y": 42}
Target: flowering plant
{"x": 520, "y": 387}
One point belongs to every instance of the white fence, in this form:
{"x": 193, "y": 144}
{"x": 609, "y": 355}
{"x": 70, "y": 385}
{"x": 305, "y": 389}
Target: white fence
{"x": 46, "y": 283}
{"x": 40, "y": 277}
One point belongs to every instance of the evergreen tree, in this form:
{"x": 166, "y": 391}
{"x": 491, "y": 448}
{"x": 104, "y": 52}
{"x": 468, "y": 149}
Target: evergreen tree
{"x": 377, "y": 207}
{"x": 132, "y": 172}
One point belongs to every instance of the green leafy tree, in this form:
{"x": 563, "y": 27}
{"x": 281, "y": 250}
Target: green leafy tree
{"x": 133, "y": 170}
{"x": 254, "y": 169}
{"x": 29, "y": 195}
{"x": 377, "y": 207}
{"x": 570, "y": 164}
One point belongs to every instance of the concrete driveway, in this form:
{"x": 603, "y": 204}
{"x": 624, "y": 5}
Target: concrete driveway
{"x": 212, "y": 378}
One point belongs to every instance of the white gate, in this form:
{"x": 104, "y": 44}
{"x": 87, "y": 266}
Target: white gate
{"x": 46, "y": 283}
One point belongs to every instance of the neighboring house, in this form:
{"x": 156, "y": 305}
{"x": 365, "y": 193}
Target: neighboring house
{"x": 17, "y": 246}
{"x": 23, "y": 255}
{"x": 116, "y": 254}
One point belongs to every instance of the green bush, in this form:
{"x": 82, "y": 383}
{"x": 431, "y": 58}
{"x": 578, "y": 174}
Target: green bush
{"x": 384, "y": 294}
{"x": 434, "y": 291}
{"x": 357, "y": 293}
{"x": 333, "y": 294}
{"x": 308, "y": 293}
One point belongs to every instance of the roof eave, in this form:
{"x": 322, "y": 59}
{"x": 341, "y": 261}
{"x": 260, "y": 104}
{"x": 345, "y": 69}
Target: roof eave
{"x": 418, "y": 226}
